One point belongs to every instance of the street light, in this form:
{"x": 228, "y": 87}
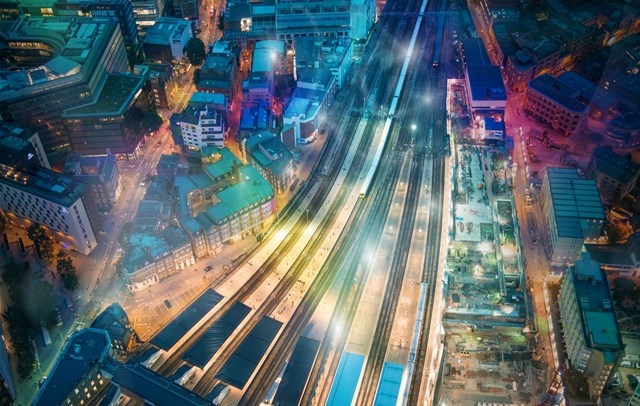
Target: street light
{"x": 413, "y": 127}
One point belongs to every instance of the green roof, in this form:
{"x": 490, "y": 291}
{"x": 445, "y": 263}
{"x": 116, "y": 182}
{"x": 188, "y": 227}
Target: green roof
{"x": 224, "y": 165}
{"x": 603, "y": 328}
{"x": 115, "y": 96}
{"x": 253, "y": 189}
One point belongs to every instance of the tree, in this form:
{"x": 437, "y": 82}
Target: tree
{"x": 67, "y": 271}
{"x": 42, "y": 305}
{"x": 577, "y": 384}
{"x": 43, "y": 243}
{"x": 196, "y": 51}
{"x": 21, "y": 337}
{"x": 614, "y": 234}
{"x": 196, "y": 76}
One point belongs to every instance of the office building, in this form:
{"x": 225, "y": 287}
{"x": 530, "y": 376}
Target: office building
{"x": 162, "y": 83}
{"x": 10, "y": 131}
{"x": 616, "y": 175}
{"x": 307, "y": 106}
{"x": 556, "y": 105}
{"x": 344, "y": 18}
{"x": 100, "y": 174}
{"x": 266, "y": 152}
{"x": 166, "y": 40}
{"x": 76, "y": 377}
{"x": 64, "y": 59}
{"x": 485, "y": 88}
{"x": 590, "y": 327}
{"x": 147, "y": 12}
{"x": 219, "y": 72}
{"x": 115, "y": 322}
{"x": 121, "y": 10}
{"x": 116, "y": 121}
{"x": 333, "y": 53}
{"x": 572, "y": 209}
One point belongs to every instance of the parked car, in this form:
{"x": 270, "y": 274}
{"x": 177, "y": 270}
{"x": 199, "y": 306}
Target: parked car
{"x": 168, "y": 304}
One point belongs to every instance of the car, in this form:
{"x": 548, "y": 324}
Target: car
{"x": 208, "y": 268}
{"x": 141, "y": 183}
{"x": 168, "y": 304}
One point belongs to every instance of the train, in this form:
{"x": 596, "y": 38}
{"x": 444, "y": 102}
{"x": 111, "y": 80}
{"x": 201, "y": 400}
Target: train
{"x": 368, "y": 180}
{"x": 403, "y": 394}
{"x": 435, "y": 63}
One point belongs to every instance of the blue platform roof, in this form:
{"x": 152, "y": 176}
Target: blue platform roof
{"x": 346, "y": 379}
{"x": 297, "y": 372}
{"x": 178, "y": 327}
{"x": 240, "y": 366}
{"x": 389, "y": 385}
{"x": 210, "y": 342}
{"x": 486, "y": 83}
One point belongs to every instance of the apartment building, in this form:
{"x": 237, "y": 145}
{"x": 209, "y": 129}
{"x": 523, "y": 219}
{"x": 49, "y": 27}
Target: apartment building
{"x": 572, "y": 209}
{"x": 556, "y": 105}
{"x": 268, "y": 154}
{"x": 591, "y": 335}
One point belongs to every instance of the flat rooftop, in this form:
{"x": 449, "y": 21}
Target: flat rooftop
{"x": 165, "y": 29}
{"x": 115, "y": 97}
{"x": 80, "y": 354}
{"x": 615, "y": 166}
{"x": 475, "y": 52}
{"x": 560, "y": 93}
{"x": 595, "y": 304}
{"x": 224, "y": 164}
{"x": 574, "y": 200}
{"x": 486, "y": 83}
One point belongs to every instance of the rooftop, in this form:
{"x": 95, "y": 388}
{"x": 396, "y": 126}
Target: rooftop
{"x": 486, "y": 83}
{"x": 73, "y": 42}
{"x": 165, "y": 29}
{"x": 44, "y": 183}
{"x": 253, "y": 189}
{"x": 255, "y": 118}
{"x": 615, "y": 166}
{"x": 475, "y": 52}
{"x": 115, "y": 96}
{"x": 559, "y": 92}
{"x": 265, "y": 54}
{"x": 225, "y": 164}
{"x": 574, "y": 200}
{"x": 151, "y": 386}
{"x": 617, "y": 255}
{"x": 588, "y": 90}
{"x": 329, "y": 52}
{"x": 208, "y": 98}
{"x": 90, "y": 169}
{"x": 79, "y": 356}
{"x": 595, "y": 304}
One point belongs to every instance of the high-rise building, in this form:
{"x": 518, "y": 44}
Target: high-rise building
{"x": 121, "y": 10}
{"x": 64, "y": 62}
{"x": 147, "y": 12}
{"x": 30, "y": 193}
{"x": 115, "y": 122}
{"x": 615, "y": 174}
{"x": 591, "y": 334}
{"x": 573, "y": 211}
